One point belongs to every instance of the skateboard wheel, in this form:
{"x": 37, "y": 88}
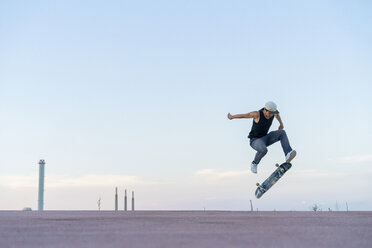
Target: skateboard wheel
{"x": 257, "y": 184}
{"x": 277, "y": 165}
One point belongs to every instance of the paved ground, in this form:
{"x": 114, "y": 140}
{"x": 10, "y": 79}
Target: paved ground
{"x": 184, "y": 229}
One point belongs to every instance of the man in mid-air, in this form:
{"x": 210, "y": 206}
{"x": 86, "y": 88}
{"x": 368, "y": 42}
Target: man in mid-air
{"x": 259, "y": 137}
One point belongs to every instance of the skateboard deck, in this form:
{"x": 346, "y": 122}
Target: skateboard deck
{"x": 272, "y": 179}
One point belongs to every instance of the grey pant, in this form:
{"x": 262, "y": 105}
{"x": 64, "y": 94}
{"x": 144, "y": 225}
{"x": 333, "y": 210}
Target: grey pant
{"x": 261, "y": 144}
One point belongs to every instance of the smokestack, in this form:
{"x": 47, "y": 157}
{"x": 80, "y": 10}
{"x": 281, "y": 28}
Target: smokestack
{"x": 132, "y": 200}
{"x": 116, "y": 199}
{"x": 41, "y": 185}
{"x": 125, "y": 201}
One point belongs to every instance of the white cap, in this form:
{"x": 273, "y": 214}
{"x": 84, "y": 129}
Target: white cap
{"x": 271, "y": 107}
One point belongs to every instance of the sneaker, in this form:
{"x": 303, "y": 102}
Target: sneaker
{"x": 290, "y": 156}
{"x": 254, "y": 167}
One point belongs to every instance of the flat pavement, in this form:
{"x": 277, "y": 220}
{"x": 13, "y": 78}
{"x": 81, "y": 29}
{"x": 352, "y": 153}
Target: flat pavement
{"x": 184, "y": 229}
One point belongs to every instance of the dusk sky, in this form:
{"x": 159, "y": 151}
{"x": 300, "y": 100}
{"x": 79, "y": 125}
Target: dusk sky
{"x": 134, "y": 95}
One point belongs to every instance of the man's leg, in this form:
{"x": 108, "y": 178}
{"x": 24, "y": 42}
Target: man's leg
{"x": 260, "y": 146}
{"x": 281, "y": 135}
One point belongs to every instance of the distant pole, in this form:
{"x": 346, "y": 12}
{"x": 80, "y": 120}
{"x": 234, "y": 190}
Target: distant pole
{"x": 116, "y": 199}
{"x": 125, "y": 201}
{"x": 132, "y": 200}
{"x": 41, "y": 185}
{"x": 251, "y": 206}
{"x": 99, "y": 203}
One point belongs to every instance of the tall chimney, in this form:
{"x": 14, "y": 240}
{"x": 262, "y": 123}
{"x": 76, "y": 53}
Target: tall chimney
{"x": 116, "y": 199}
{"x": 132, "y": 200}
{"x": 41, "y": 185}
{"x": 125, "y": 201}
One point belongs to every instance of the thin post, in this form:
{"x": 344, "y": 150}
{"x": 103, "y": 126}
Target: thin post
{"x": 116, "y": 199}
{"x": 125, "y": 201}
{"x": 132, "y": 200}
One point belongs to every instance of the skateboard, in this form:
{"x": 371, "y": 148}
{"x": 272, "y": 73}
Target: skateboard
{"x": 272, "y": 179}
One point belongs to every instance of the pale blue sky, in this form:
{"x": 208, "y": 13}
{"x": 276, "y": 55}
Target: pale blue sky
{"x": 140, "y": 90}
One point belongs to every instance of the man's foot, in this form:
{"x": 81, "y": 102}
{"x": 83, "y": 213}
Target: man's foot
{"x": 290, "y": 156}
{"x": 254, "y": 167}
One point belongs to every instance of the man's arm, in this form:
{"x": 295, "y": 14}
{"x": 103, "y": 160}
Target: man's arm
{"x": 277, "y": 116}
{"x": 254, "y": 114}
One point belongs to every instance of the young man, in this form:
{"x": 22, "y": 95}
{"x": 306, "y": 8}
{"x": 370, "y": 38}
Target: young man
{"x": 259, "y": 137}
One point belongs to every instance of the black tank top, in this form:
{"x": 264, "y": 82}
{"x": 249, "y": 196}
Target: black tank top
{"x": 261, "y": 128}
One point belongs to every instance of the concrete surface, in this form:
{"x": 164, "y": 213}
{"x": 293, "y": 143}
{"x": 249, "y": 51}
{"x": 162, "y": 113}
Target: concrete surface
{"x": 184, "y": 229}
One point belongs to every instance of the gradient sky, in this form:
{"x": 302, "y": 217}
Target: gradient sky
{"x": 135, "y": 94}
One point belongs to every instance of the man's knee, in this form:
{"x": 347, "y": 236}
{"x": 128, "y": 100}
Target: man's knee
{"x": 282, "y": 133}
{"x": 262, "y": 150}
{"x": 259, "y": 146}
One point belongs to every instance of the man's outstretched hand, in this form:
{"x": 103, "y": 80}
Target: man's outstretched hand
{"x": 229, "y": 116}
